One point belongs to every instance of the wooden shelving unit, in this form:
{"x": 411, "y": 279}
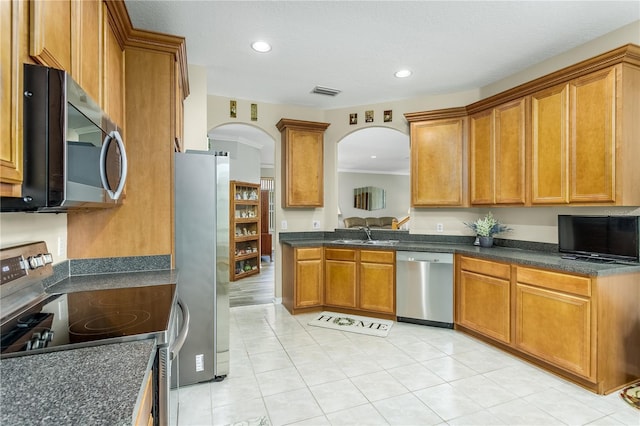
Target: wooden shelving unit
{"x": 244, "y": 214}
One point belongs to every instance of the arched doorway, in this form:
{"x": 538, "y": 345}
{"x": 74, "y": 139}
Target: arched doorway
{"x": 252, "y": 153}
{"x": 374, "y": 157}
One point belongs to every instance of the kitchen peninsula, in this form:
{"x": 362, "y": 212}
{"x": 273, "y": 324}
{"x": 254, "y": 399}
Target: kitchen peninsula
{"x": 574, "y": 318}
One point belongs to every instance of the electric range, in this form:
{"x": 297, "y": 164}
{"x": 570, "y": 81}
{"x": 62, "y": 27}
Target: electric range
{"x": 34, "y": 321}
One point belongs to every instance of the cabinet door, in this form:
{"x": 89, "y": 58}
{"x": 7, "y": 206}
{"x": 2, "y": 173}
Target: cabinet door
{"x": 555, "y": 327}
{"x": 437, "y": 163}
{"x": 481, "y": 156}
{"x": 550, "y": 145}
{"x": 484, "y": 305}
{"x": 114, "y": 82}
{"x": 302, "y": 163}
{"x": 304, "y": 168}
{"x": 377, "y": 287}
{"x": 509, "y": 161}
{"x": 592, "y": 138}
{"x": 87, "y": 46}
{"x": 308, "y": 283}
{"x": 14, "y": 20}
{"x": 340, "y": 283}
{"x": 51, "y": 33}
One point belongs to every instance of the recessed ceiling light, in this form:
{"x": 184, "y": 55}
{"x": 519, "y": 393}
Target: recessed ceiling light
{"x": 403, "y": 73}
{"x": 374, "y": 156}
{"x": 261, "y": 46}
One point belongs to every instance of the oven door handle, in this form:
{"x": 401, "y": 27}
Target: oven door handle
{"x": 184, "y": 330}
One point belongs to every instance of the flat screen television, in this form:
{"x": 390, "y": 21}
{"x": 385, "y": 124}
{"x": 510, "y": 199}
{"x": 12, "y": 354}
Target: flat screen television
{"x": 599, "y": 237}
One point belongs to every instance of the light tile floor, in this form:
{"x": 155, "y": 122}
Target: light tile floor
{"x": 285, "y": 372}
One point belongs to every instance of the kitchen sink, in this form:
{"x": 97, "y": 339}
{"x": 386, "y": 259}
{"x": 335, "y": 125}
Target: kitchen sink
{"x": 381, "y": 242}
{"x": 345, "y": 241}
{"x": 367, "y": 242}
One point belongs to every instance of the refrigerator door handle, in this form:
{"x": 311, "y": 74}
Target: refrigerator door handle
{"x": 184, "y": 331}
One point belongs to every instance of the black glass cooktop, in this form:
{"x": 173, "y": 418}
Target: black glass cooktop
{"x": 87, "y": 318}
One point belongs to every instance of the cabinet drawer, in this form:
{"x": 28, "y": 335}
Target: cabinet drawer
{"x": 377, "y": 256}
{"x": 555, "y": 281}
{"x": 485, "y": 267}
{"x": 308, "y": 253}
{"x": 340, "y": 254}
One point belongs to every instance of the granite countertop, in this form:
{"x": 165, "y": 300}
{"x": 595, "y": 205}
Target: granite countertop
{"x": 98, "y": 385}
{"x": 522, "y": 256}
{"x": 114, "y": 280}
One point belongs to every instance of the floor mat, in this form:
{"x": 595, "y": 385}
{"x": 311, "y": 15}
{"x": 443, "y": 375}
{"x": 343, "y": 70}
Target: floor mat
{"x": 352, "y": 323}
{"x": 631, "y": 394}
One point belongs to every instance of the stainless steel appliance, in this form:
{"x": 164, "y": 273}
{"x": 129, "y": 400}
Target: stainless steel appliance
{"x": 74, "y": 156}
{"x": 202, "y": 256}
{"x": 424, "y": 286}
{"x": 35, "y": 321}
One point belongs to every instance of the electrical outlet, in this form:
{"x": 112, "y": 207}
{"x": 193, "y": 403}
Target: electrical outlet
{"x": 200, "y": 362}
{"x": 439, "y": 227}
{"x": 316, "y": 224}
{"x": 61, "y": 247}
{"x": 283, "y": 225}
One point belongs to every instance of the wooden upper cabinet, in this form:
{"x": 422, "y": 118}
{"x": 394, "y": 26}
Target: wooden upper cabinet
{"x": 592, "y": 108}
{"x": 550, "y": 146}
{"x": 581, "y": 141}
{"x": 510, "y": 152}
{"x": 86, "y": 44}
{"x": 437, "y": 158}
{"x": 302, "y": 163}
{"x": 51, "y": 33}
{"x": 113, "y": 70}
{"x": 497, "y": 154}
{"x": 14, "y": 44}
{"x": 481, "y": 158}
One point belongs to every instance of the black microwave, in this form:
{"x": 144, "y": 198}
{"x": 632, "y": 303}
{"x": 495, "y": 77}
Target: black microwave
{"x": 74, "y": 156}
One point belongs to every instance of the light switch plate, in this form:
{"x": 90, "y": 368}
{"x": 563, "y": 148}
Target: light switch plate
{"x": 316, "y": 224}
{"x": 283, "y": 224}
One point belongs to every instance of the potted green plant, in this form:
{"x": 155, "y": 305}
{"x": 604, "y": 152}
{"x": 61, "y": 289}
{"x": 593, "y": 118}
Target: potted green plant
{"x": 485, "y": 228}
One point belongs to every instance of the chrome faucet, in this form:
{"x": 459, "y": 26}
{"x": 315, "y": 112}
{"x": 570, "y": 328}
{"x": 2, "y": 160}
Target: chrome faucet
{"x": 367, "y": 231}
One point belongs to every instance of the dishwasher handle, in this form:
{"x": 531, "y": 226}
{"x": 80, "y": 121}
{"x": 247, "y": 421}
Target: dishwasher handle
{"x": 428, "y": 257}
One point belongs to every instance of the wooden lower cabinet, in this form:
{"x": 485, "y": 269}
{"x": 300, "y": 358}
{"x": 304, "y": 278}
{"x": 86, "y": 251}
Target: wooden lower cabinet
{"x": 580, "y": 327}
{"x": 144, "y": 415}
{"x": 377, "y": 281}
{"x": 484, "y": 303}
{"x": 555, "y": 327}
{"x": 302, "y": 278}
{"x": 362, "y": 281}
{"x": 339, "y": 279}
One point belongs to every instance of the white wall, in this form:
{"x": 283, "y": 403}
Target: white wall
{"x": 195, "y": 110}
{"x": 244, "y": 160}
{"x": 397, "y": 202}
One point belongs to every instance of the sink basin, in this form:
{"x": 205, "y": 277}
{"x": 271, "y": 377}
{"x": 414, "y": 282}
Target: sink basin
{"x": 367, "y": 242}
{"x": 348, "y": 241}
{"x": 381, "y": 242}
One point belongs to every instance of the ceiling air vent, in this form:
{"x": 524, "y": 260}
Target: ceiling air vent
{"x": 325, "y": 91}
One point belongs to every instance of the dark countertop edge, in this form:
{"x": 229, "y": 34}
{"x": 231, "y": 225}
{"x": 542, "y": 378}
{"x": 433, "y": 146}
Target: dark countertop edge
{"x": 544, "y": 258}
{"x": 140, "y": 268}
{"x": 115, "y": 398}
{"x": 114, "y": 280}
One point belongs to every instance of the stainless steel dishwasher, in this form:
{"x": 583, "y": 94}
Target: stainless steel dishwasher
{"x": 424, "y": 288}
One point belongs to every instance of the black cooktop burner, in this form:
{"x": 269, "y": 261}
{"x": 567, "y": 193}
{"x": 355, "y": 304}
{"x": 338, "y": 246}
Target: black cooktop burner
{"x": 89, "y": 317}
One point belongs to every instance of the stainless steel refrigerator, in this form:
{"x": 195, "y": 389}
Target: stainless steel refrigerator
{"x": 202, "y": 259}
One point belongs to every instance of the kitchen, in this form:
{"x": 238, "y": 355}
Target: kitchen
{"x": 72, "y": 237}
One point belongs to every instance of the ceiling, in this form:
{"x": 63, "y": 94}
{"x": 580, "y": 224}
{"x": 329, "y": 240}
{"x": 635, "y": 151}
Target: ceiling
{"x": 356, "y": 46}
